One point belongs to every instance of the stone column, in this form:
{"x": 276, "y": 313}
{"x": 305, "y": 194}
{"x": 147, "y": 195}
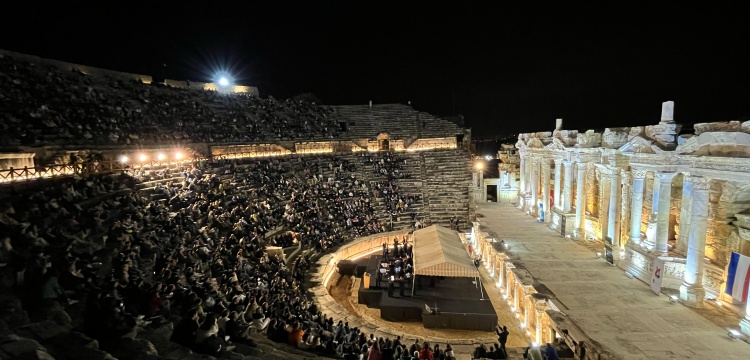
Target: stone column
{"x": 614, "y": 206}
{"x": 580, "y": 201}
{"x": 545, "y": 188}
{"x": 745, "y": 322}
{"x": 662, "y": 214}
{"x": 522, "y": 172}
{"x": 529, "y": 173}
{"x": 567, "y": 201}
{"x": 558, "y": 172}
{"x": 636, "y": 206}
{"x": 687, "y": 195}
{"x": 691, "y": 290}
{"x": 534, "y": 186}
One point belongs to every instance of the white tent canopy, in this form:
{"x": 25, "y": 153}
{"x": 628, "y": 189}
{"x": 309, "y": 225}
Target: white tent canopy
{"x": 438, "y": 251}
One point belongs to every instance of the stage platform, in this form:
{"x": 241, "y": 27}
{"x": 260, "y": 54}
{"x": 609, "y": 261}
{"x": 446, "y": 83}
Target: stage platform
{"x": 458, "y": 300}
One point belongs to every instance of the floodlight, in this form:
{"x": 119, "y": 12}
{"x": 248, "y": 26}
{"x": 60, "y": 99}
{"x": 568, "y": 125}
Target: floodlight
{"x": 479, "y": 166}
{"x": 178, "y": 155}
{"x": 734, "y": 334}
{"x": 160, "y": 156}
{"x": 673, "y": 299}
{"x": 143, "y": 157}
{"x": 123, "y": 159}
{"x": 223, "y": 81}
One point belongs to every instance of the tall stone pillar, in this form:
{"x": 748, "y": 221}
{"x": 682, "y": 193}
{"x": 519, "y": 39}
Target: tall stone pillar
{"x": 745, "y": 322}
{"x": 567, "y": 201}
{"x": 691, "y": 290}
{"x": 636, "y": 206}
{"x": 558, "y": 173}
{"x": 529, "y": 174}
{"x": 545, "y": 189}
{"x": 522, "y": 171}
{"x": 534, "y": 186}
{"x": 614, "y": 206}
{"x": 662, "y": 214}
{"x": 687, "y": 194}
{"x": 581, "y": 201}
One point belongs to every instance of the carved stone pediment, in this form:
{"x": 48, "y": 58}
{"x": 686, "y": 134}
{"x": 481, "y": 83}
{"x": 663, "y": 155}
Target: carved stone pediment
{"x": 535, "y": 143}
{"x": 613, "y": 138}
{"x": 567, "y": 137}
{"x": 728, "y": 144}
{"x": 556, "y": 144}
{"x": 640, "y": 145}
{"x": 724, "y": 126}
{"x": 589, "y": 139}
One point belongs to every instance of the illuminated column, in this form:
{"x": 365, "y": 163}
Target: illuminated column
{"x": 614, "y": 205}
{"x": 522, "y": 171}
{"x": 558, "y": 173}
{"x": 636, "y": 206}
{"x": 745, "y": 322}
{"x": 580, "y": 201}
{"x": 691, "y": 290}
{"x": 534, "y": 186}
{"x": 687, "y": 203}
{"x": 545, "y": 188}
{"x": 567, "y": 201}
{"x": 539, "y": 314}
{"x": 662, "y": 215}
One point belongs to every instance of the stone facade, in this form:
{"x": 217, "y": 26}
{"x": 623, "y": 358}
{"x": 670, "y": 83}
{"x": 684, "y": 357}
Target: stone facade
{"x": 644, "y": 192}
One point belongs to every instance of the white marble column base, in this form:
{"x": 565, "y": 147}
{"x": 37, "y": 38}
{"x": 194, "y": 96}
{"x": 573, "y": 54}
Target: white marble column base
{"x": 692, "y": 296}
{"x": 745, "y": 326}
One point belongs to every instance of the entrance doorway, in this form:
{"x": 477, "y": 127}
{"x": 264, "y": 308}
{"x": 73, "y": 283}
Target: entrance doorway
{"x": 384, "y": 145}
{"x": 491, "y": 193}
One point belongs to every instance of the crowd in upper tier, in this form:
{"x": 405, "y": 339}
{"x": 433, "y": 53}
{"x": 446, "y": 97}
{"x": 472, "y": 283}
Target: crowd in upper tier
{"x": 193, "y": 251}
{"x": 42, "y": 104}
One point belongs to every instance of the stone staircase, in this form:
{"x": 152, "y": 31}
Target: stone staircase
{"x": 447, "y": 176}
{"x": 398, "y": 120}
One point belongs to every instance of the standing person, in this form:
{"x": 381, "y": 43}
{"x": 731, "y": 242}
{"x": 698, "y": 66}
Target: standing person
{"x": 502, "y": 337}
{"x": 449, "y": 355}
{"x": 551, "y": 352}
{"x": 374, "y": 352}
{"x": 425, "y": 353}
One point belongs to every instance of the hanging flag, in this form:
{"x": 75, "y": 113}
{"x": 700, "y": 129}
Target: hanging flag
{"x": 738, "y": 277}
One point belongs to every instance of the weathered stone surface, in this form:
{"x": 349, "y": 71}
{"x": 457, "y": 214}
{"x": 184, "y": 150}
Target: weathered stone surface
{"x": 725, "y": 126}
{"x": 589, "y": 139}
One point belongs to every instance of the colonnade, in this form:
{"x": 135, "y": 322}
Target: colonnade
{"x": 654, "y": 242}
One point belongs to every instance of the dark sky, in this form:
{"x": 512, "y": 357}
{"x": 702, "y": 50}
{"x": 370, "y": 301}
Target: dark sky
{"x": 509, "y": 68}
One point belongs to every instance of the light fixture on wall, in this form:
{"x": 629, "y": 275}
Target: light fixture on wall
{"x": 674, "y": 299}
{"x": 598, "y": 255}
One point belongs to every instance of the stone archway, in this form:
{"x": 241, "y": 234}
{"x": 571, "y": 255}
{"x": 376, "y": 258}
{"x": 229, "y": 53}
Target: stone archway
{"x": 384, "y": 141}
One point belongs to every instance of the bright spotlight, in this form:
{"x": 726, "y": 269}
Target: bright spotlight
{"x": 223, "y": 81}
{"x": 143, "y": 157}
{"x": 123, "y": 159}
{"x": 160, "y": 156}
{"x": 178, "y": 155}
{"x": 479, "y": 166}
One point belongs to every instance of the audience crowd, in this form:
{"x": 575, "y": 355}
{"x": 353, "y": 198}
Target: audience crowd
{"x": 42, "y": 104}
{"x": 192, "y": 250}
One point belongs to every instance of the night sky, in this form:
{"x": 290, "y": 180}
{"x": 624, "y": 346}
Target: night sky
{"x": 505, "y": 68}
